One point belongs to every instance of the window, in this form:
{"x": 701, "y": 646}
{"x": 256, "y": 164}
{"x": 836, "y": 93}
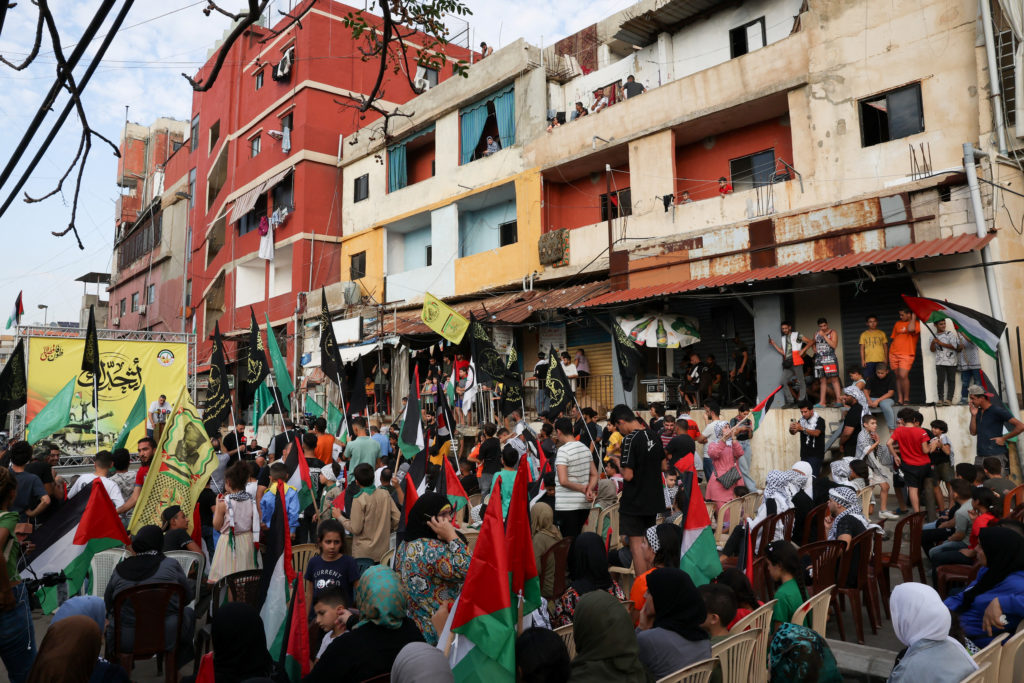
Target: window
{"x": 283, "y": 193}
{"x": 1006, "y": 49}
{"x": 140, "y": 242}
{"x": 509, "y": 233}
{"x": 254, "y": 146}
{"x": 430, "y": 255}
{"x": 191, "y": 188}
{"x": 747, "y": 38}
{"x": 124, "y": 306}
{"x": 286, "y": 122}
{"x": 251, "y": 220}
{"x": 151, "y": 294}
{"x": 214, "y": 134}
{"x": 194, "y": 134}
{"x": 892, "y": 115}
{"x": 135, "y": 302}
{"x": 259, "y": 79}
{"x": 753, "y": 170}
{"x": 361, "y": 187}
{"x": 620, "y": 205}
{"x": 429, "y": 75}
{"x": 357, "y": 266}
{"x": 493, "y": 116}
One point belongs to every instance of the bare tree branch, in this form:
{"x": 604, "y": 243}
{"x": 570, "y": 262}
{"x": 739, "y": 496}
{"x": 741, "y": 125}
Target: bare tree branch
{"x": 246, "y": 20}
{"x": 35, "y": 46}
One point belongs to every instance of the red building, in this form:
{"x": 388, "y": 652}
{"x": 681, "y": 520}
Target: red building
{"x": 261, "y": 154}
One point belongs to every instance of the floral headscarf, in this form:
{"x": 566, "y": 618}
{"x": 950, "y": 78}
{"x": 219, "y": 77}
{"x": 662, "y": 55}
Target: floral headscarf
{"x": 718, "y": 428}
{"x": 381, "y": 598}
{"x": 797, "y": 653}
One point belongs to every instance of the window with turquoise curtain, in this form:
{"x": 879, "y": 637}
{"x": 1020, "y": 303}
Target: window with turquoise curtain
{"x": 505, "y": 112}
{"x": 398, "y": 175}
{"x": 473, "y": 121}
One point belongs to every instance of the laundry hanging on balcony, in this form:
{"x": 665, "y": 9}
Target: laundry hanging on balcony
{"x": 659, "y": 330}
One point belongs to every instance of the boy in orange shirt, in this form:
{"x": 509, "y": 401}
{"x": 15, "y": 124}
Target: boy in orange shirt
{"x": 905, "y": 334}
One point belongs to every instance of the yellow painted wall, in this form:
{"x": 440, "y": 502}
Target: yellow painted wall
{"x": 372, "y": 242}
{"x": 507, "y": 264}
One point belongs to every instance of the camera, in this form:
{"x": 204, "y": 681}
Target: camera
{"x": 48, "y": 579}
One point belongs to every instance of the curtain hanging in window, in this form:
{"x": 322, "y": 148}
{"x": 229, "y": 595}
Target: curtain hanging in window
{"x": 398, "y": 175}
{"x": 505, "y": 110}
{"x": 473, "y": 121}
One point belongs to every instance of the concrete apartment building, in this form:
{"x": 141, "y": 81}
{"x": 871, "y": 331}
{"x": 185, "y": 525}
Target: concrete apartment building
{"x": 259, "y": 155}
{"x": 838, "y": 125}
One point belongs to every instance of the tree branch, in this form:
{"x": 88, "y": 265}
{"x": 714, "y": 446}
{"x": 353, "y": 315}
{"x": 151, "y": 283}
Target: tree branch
{"x": 246, "y": 20}
{"x": 35, "y": 46}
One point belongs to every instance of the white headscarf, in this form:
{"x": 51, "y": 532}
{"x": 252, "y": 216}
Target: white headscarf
{"x": 841, "y": 471}
{"x": 855, "y": 391}
{"x": 919, "y": 614}
{"x": 804, "y": 468}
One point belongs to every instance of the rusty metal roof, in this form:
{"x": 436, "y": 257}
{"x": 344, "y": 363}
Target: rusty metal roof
{"x": 507, "y": 308}
{"x": 941, "y": 247}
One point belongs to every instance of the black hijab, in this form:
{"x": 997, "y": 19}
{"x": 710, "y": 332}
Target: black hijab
{"x": 239, "y": 644}
{"x": 678, "y": 607}
{"x": 1004, "y": 555}
{"x": 148, "y": 545}
{"x": 588, "y": 564}
{"x": 428, "y": 505}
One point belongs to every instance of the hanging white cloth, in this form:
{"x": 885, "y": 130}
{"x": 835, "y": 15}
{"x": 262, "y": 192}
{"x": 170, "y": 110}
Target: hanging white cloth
{"x": 267, "y": 243}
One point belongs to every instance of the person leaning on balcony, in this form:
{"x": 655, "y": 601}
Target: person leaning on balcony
{"x": 600, "y": 101}
{"x": 492, "y": 146}
{"x": 724, "y": 186}
{"x": 632, "y": 88}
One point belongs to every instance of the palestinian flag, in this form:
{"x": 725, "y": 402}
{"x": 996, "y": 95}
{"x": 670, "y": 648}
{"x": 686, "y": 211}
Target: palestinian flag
{"x": 415, "y": 483}
{"x": 55, "y": 415}
{"x": 984, "y": 330}
{"x": 298, "y": 475}
{"x": 294, "y": 660}
{"x": 81, "y": 527}
{"x": 745, "y": 562}
{"x": 14, "y": 319}
{"x": 761, "y": 409}
{"x": 524, "y": 581}
{"x": 448, "y": 484}
{"x": 136, "y": 417}
{"x": 700, "y": 554}
{"x": 278, "y": 575}
{"x": 485, "y": 618}
{"x": 410, "y": 439}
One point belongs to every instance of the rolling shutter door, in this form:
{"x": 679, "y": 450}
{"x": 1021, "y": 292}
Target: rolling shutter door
{"x": 597, "y": 345}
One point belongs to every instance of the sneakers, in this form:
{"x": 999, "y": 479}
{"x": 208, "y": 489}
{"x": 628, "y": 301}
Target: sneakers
{"x": 885, "y": 514}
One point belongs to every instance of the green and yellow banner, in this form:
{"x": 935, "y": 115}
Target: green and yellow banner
{"x": 126, "y": 367}
{"x": 443, "y": 319}
{"x": 183, "y": 463}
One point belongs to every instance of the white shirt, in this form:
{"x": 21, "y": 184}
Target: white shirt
{"x": 162, "y": 411}
{"x": 577, "y": 460}
{"x": 86, "y": 480}
{"x": 598, "y": 105}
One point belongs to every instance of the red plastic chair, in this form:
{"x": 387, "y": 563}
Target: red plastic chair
{"x": 824, "y": 559}
{"x": 905, "y": 562}
{"x": 814, "y": 524}
{"x": 954, "y": 574}
{"x": 1012, "y": 498}
{"x": 558, "y": 554}
{"x": 151, "y": 604}
{"x": 861, "y": 546}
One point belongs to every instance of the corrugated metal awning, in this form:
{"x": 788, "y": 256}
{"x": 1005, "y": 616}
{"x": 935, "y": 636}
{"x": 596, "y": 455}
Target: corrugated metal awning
{"x": 941, "y": 247}
{"x": 247, "y": 201}
{"x": 508, "y": 308}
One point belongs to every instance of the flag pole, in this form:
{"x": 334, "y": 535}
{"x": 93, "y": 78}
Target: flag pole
{"x": 519, "y": 613}
{"x": 96, "y": 406}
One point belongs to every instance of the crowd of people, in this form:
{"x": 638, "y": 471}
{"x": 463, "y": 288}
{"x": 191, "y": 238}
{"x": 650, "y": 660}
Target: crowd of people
{"x": 382, "y": 585}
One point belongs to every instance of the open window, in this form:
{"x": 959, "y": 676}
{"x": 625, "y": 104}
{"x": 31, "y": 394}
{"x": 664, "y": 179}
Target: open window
{"x": 251, "y": 220}
{"x": 753, "y": 170}
{"x": 488, "y": 125}
{"x": 411, "y": 160}
{"x": 747, "y": 38}
{"x": 214, "y": 135}
{"x": 891, "y": 115}
{"x": 361, "y": 188}
{"x": 616, "y": 204}
{"x": 357, "y": 266}
{"x": 217, "y": 178}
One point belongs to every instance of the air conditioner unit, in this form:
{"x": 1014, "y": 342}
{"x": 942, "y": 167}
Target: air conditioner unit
{"x": 420, "y": 80}
{"x": 115, "y": 322}
{"x": 142, "y": 309}
{"x": 351, "y": 293}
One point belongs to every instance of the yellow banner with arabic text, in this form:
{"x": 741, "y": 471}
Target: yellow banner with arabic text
{"x": 126, "y": 367}
{"x": 443, "y": 319}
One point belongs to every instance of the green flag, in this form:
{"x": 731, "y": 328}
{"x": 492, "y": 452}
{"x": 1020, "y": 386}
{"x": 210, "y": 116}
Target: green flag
{"x": 135, "y": 417}
{"x": 264, "y": 400}
{"x": 313, "y": 407}
{"x": 334, "y": 419}
{"x": 281, "y": 376}
{"x": 55, "y": 415}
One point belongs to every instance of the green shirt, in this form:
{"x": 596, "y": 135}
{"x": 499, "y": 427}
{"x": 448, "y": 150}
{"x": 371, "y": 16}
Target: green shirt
{"x": 788, "y": 599}
{"x": 363, "y": 449}
{"x": 508, "y": 479}
{"x": 10, "y": 549}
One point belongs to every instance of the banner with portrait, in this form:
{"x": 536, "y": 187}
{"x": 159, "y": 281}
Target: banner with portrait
{"x": 125, "y": 368}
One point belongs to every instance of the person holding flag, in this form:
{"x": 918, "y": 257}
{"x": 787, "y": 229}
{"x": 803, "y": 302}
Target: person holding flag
{"x": 18, "y": 647}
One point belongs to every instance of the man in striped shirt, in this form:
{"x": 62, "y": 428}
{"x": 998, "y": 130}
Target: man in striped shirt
{"x": 575, "y": 480}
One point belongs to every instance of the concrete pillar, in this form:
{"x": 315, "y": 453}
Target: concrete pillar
{"x": 604, "y": 56}
{"x": 767, "y": 316}
{"x": 666, "y": 60}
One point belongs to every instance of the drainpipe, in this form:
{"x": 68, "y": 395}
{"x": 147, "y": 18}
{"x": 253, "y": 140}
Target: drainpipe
{"x": 995, "y": 91}
{"x": 995, "y": 305}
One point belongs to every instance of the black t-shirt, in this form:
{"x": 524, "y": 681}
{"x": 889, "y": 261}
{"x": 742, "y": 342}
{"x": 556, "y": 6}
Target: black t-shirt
{"x": 490, "y": 455}
{"x": 470, "y": 484}
{"x": 282, "y": 440}
{"x": 644, "y": 494}
{"x": 632, "y": 89}
{"x": 657, "y": 425}
{"x": 176, "y": 539}
{"x": 813, "y": 446}
{"x": 541, "y": 370}
{"x": 363, "y": 653}
{"x": 877, "y": 386}
{"x": 230, "y": 442}
{"x": 852, "y": 419}
{"x": 207, "y": 501}
{"x": 41, "y": 470}
{"x": 850, "y": 525}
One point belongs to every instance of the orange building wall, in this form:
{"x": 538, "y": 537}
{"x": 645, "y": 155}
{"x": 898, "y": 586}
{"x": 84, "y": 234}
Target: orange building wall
{"x": 575, "y": 204}
{"x": 700, "y": 164}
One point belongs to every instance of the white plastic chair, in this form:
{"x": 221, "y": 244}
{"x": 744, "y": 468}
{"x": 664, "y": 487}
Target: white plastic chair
{"x": 1008, "y": 671}
{"x": 566, "y": 634}
{"x": 817, "y": 606}
{"x": 735, "y": 653}
{"x": 187, "y": 559}
{"x": 695, "y": 673}
{"x": 761, "y": 619}
{"x": 979, "y": 676}
{"x": 990, "y": 654}
{"x": 101, "y": 567}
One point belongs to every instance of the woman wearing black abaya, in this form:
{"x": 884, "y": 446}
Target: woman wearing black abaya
{"x": 588, "y": 571}
{"x": 669, "y": 636}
